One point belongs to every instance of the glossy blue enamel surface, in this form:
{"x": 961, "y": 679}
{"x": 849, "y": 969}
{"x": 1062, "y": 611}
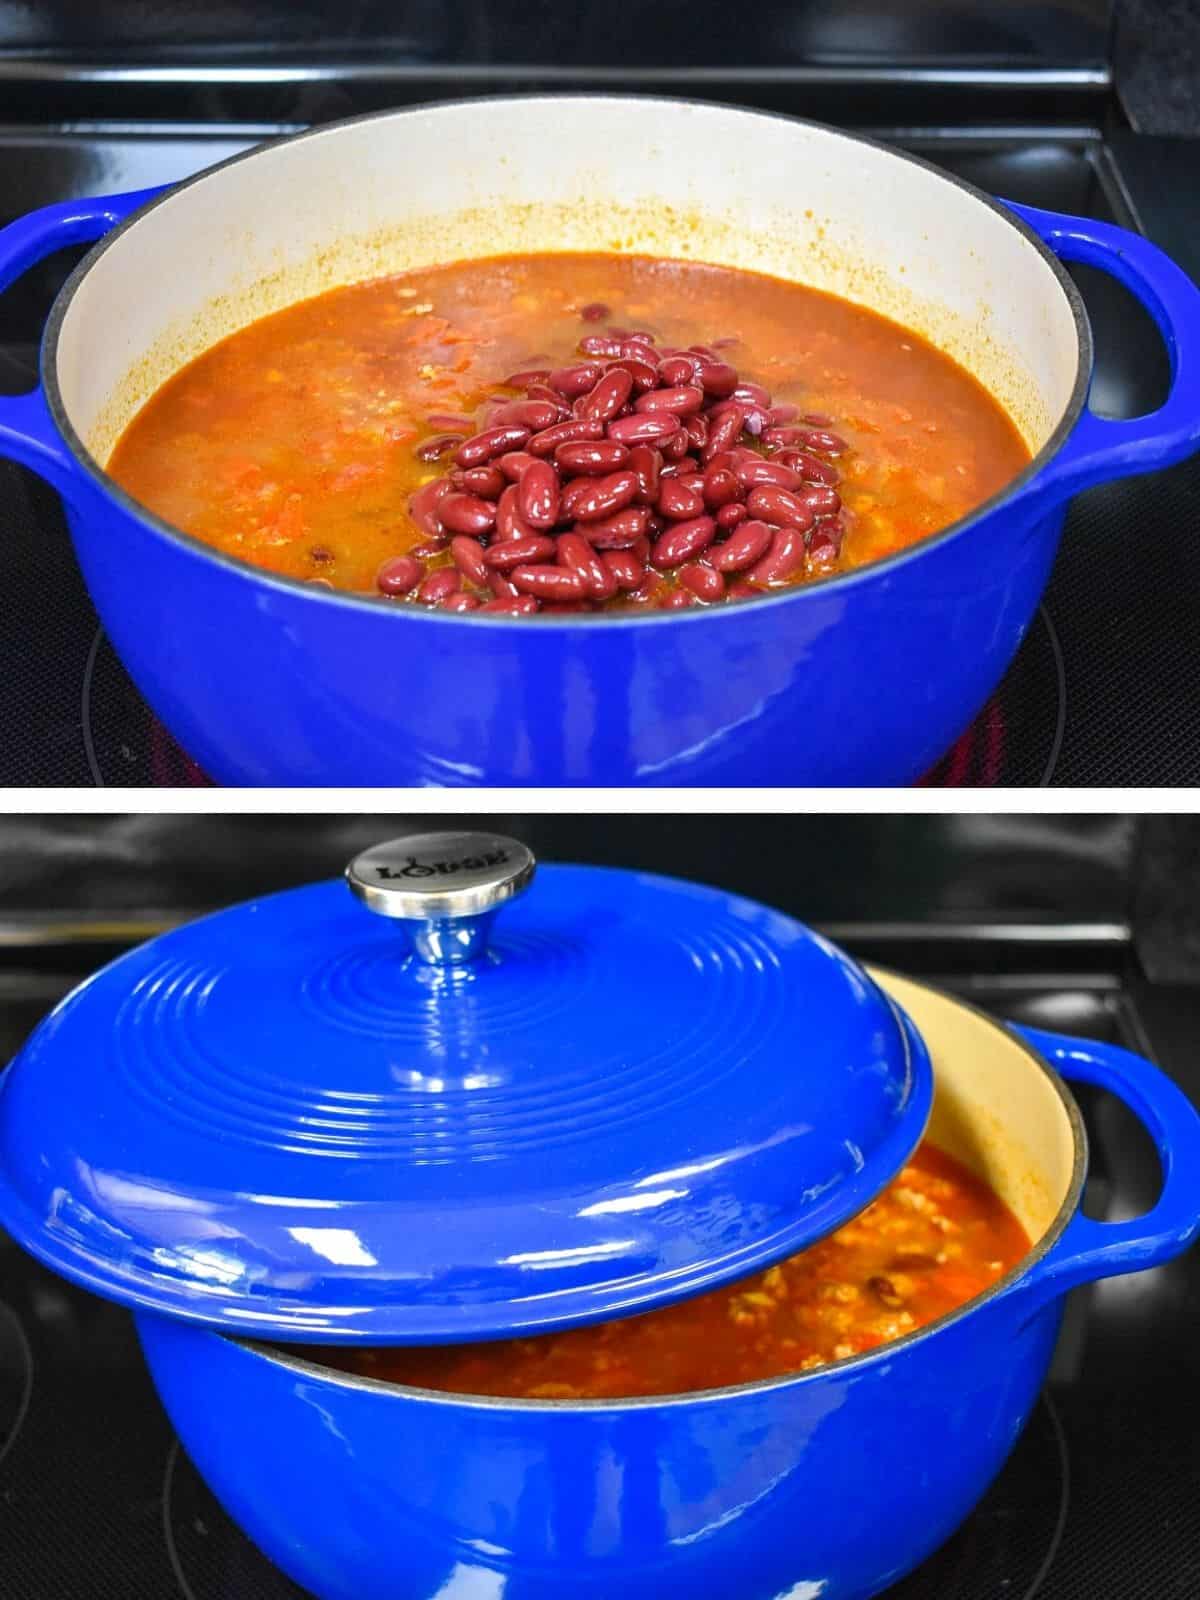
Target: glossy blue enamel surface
{"x": 824, "y": 1487}
{"x": 846, "y": 682}
{"x": 278, "y": 1118}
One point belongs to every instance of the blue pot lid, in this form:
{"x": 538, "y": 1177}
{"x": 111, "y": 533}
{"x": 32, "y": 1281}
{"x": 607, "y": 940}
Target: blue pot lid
{"x": 468, "y": 1116}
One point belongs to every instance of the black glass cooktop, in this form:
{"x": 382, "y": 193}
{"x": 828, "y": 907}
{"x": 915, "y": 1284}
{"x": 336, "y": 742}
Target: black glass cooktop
{"x": 1103, "y": 691}
{"x": 1100, "y": 1499}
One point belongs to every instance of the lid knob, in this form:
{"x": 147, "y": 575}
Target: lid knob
{"x": 448, "y": 885}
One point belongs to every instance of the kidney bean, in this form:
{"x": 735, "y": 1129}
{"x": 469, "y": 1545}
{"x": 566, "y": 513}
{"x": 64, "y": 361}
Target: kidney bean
{"x": 510, "y": 524}
{"x": 779, "y": 505}
{"x": 439, "y": 584}
{"x": 781, "y": 438}
{"x": 655, "y": 428}
{"x": 691, "y": 480}
{"x": 683, "y": 541}
{"x": 676, "y": 448}
{"x": 724, "y": 430}
{"x": 822, "y": 553}
{"x": 704, "y": 583}
{"x": 829, "y": 444}
{"x": 619, "y": 532}
{"x": 606, "y": 399}
{"x": 551, "y": 583}
{"x": 542, "y": 444}
{"x": 597, "y": 345}
{"x": 676, "y": 600}
{"x": 576, "y": 380}
{"x": 647, "y": 462}
{"x": 783, "y": 413}
{"x": 640, "y": 347}
{"x": 821, "y": 499}
{"x": 677, "y": 502}
{"x": 688, "y": 397}
{"x": 717, "y": 379}
{"x": 674, "y": 371}
{"x": 467, "y": 513}
{"x": 725, "y": 343}
{"x": 538, "y": 494}
{"x": 590, "y": 499}
{"x": 590, "y": 458}
{"x": 531, "y": 414}
{"x": 467, "y": 555}
{"x": 752, "y": 394}
{"x": 547, "y": 396}
{"x": 624, "y": 568}
{"x": 643, "y": 374}
{"x": 751, "y": 473}
{"x": 491, "y": 442}
{"x": 500, "y": 586}
{"x": 783, "y": 560}
{"x": 809, "y": 467}
{"x": 424, "y": 507}
{"x": 518, "y": 552}
{"x": 575, "y": 552}
{"x": 513, "y": 463}
{"x": 721, "y": 487}
{"x": 522, "y": 380}
{"x": 432, "y": 547}
{"x": 399, "y": 575}
{"x": 594, "y": 311}
{"x": 459, "y": 602}
{"x": 486, "y": 482}
{"x": 521, "y": 605}
{"x": 741, "y": 590}
{"x": 706, "y": 351}
{"x": 696, "y": 428}
{"x": 686, "y": 466}
{"x": 437, "y": 447}
{"x": 745, "y": 545}
{"x": 817, "y": 419}
{"x": 730, "y": 515}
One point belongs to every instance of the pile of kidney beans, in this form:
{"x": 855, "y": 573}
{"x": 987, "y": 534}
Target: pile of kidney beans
{"x": 626, "y": 475}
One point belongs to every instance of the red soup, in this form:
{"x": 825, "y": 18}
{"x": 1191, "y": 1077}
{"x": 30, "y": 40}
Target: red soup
{"x": 568, "y": 432}
{"x": 934, "y": 1239}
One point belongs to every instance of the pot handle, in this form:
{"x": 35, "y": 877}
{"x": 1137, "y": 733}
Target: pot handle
{"x": 1100, "y": 448}
{"x": 1088, "y": 1249}
{"x": 27, "y": 431}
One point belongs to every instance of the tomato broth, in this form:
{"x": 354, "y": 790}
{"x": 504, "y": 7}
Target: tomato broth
{"x": 299, "y": 442}
{"x": 934, "y": 1239}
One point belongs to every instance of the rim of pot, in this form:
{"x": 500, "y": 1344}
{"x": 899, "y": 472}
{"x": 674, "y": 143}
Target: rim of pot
{"x": 375, "y": 604}
{"x": 280, "y": 1355}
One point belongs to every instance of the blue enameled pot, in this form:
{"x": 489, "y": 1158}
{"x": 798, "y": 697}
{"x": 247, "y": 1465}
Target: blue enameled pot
{"x": 864, "y": 679}
{"x": 825, "y": 1486}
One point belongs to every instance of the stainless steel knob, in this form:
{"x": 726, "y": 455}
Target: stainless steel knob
{"x": 447, "y": 885}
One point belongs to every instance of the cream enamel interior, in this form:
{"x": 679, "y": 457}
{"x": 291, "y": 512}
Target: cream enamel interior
{"x": 994, "y": 1107}
{"x": 415, "y": 188}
